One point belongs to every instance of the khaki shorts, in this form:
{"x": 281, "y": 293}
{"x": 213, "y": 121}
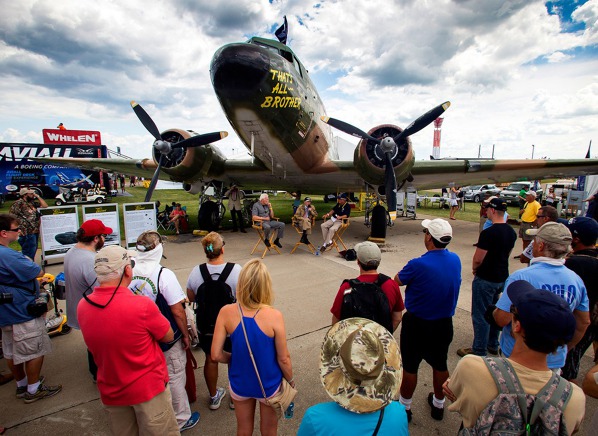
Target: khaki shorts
{"x": 523, "y": 227}
{"x": 26, "y": 341}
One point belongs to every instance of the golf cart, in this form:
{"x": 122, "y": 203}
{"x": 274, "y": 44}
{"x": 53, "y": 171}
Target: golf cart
{"x": 80, "y": 195}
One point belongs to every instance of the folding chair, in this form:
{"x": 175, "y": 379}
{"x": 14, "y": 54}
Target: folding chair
{"x": 164, "y": 222}
{"x": 310, "y": 246}
{"x": 337, "y": 238}
{"x": 257, "y": 225}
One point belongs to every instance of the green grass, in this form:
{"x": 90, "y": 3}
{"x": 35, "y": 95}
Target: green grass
{"x": 282, "y": 204}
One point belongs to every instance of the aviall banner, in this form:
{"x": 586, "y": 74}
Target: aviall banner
{"x": 71, "y": 137}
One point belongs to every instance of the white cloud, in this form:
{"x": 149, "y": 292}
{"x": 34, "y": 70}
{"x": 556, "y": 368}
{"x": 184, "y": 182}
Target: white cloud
{"x": 509, "y": 69}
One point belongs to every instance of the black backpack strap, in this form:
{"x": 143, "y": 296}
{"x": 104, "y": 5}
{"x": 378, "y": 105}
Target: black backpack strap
{"x": 379, "y": 422}
{"x": 382, "y": 278}
{"x": 203, "y": 269}
{"x": 226, "y": 271}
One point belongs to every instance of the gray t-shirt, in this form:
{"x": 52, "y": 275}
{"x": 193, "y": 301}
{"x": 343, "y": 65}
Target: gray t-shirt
{"x": 79, "y": 276}
{"x": 195, "y": 278}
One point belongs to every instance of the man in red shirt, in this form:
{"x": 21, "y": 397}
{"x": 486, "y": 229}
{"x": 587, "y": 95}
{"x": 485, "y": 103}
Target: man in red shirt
{"x": 122, "y": 331}
{"x": 368, "y": 260}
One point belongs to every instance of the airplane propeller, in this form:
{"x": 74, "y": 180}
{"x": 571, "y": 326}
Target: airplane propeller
{"x": 388, "y": 145}
{"x": 165, "y": 147}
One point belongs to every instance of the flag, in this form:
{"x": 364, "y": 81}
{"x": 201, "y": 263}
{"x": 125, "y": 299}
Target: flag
{"x": 282, "y": 31}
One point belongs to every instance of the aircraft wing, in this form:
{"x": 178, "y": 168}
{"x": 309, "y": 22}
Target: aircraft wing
{"x": 135, "y": 167}
{"x": 342, "y": 175}
{"x": 438, "y": 173}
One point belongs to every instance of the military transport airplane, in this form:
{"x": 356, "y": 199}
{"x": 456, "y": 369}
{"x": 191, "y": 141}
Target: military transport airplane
{"x": 273, "y": 106}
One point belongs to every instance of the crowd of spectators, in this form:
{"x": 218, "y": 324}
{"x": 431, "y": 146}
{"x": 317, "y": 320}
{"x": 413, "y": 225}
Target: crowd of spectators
{"x": 535, "y": 323}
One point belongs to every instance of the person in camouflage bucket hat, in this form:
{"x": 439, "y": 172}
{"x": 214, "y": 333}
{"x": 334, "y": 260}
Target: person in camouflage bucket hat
{"x": 360, "y": 365}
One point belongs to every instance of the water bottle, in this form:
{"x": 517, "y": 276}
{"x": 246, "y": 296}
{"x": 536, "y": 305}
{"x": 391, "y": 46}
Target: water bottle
{"x": 288, "y": 414}
{"x": 317, "y": 253}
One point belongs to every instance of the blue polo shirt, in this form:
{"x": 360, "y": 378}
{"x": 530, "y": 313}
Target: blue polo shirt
{"x": 557, "y": 279}
{"x": 433, "y": 281}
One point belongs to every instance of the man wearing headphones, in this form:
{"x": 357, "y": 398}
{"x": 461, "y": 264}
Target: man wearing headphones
{"x": 162, "y": 287}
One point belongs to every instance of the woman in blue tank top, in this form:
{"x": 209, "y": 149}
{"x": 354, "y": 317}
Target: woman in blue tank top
{"x": 267, "y": 337}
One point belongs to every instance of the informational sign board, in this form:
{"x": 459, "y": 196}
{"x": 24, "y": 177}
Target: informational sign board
{"x": 411, "y": 204}
{"x": 400, "y": 203}
{"x": 575, "y": 202}
{"x": 138, "y": 217}
{"x": 108, "y": 214}
{"x": 58, "y": 231}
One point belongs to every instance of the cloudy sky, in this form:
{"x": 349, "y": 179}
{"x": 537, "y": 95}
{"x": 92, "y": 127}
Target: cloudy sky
{"x": 517, "y": 72}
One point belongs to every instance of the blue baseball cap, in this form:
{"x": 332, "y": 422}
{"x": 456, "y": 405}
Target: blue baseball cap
{"x": 544, "y": 316}
{"x": 585, "y": 228}
{"x": 343, "y": 196}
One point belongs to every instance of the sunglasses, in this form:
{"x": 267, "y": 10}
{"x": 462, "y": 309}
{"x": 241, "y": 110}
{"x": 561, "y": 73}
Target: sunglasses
{"x": 18, "y": 229}
{"x": 540, "y": 216}
{"x": 425, "y": 231}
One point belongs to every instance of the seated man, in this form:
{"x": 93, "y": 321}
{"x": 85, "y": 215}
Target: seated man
{"x": 303, "y": 216}
{"x": 340, "y": 211}
{"x": 360, "y": 370}
{"x": 541, "y": 322}
{"x": 176, "y": 216}
{"x": 262, "y": 211}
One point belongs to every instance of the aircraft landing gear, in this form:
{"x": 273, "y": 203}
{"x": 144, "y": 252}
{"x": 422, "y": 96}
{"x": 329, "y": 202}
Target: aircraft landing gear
{"x": 211, "y": 209}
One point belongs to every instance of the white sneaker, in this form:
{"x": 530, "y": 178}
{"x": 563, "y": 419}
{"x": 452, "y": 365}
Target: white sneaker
{"x": 217, "y": 399}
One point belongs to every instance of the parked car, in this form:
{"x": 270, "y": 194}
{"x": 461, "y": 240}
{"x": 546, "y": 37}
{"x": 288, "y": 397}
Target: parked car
{"x": 511, "y": 192}
{"x": 478, "y": 193}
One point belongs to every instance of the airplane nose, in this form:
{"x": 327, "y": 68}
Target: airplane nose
{"x": 239, "y": 70}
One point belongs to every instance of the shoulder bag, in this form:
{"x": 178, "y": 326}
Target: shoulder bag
{"x": 285, "y": 395}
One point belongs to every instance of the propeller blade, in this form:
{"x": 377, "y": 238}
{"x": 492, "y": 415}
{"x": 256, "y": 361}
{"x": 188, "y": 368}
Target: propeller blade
{"x": 348, "y": 128}
{"x": 422, "y": 122}
{"x": 199, "y": 140}
{"x": 154, "y": 182}
{"x": 390, "y": 186}
{"x": 146, "y": 120}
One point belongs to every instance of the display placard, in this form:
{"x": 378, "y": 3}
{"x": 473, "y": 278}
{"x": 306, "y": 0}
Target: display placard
{"x": 401, "y": 202}
{"x": 138, "y": 217}
{"x": 58, "y": 230}
{"x": 108, "y": 214}
{"x": 411, "y": 204}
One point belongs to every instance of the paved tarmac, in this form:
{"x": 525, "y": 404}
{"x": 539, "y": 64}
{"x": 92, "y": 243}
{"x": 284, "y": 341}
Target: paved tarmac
{"x": 305, "y": 286}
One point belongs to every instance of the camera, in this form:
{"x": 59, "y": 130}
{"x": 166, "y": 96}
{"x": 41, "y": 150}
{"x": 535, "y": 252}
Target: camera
{"x": 39, "y": 306}
{"x": 5, "y": 297}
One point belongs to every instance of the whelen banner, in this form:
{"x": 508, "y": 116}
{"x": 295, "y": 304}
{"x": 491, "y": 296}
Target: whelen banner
{"x": 71, "y": 137}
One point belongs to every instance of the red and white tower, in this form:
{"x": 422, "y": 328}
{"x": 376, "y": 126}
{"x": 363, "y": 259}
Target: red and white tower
{"x": 436, "y": 147}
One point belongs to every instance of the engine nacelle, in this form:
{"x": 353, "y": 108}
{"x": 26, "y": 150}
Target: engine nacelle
{"x": 191, "y": 164}
{"x": 369, "y": 159}
{"x": 194, "y": 188}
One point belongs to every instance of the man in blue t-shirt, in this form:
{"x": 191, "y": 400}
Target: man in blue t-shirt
{"x": 548, "y": 271}
{"x": 433, "y": 281}
{"x": 25, "y": 339}
{"x": 490, "y": 269}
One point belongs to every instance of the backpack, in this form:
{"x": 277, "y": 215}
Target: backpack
{"x": 165, "y": 310}
{"x": 211, "y": 296}
{"x": 514, "y": 412}
{"x": 367, "y": 300}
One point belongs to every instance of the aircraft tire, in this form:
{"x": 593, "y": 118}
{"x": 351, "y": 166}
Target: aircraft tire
{"x": 208, "y": 217}
{"x": 378, "y": 221}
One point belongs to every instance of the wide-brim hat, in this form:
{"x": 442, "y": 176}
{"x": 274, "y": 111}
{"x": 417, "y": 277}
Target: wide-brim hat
{"x": 360, "y": 365}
